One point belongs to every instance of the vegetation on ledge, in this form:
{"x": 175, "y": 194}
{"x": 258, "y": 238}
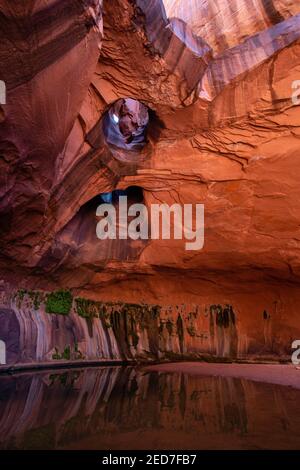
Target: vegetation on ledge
{"x": 68, "y": 354}
{"x": 36, "y": 297}
{"x": 59, "y": 302}
{"x": 87, "y": 308}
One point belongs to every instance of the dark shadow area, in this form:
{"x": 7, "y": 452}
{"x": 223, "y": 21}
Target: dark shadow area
{"x": 134, "y": 196}
{"x": 78, "y": 244}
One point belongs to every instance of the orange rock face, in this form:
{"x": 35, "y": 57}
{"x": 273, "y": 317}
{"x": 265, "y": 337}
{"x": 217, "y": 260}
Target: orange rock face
{"x": 220, "y": 82}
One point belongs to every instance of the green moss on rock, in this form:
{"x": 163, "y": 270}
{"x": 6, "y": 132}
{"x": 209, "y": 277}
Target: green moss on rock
{"x": 87, "y": 308}
{"x": 19, "y": 297}
{"x": 36, "y": 298}
{"x": 59, "y": 302}
{"x": 68, "y": 354}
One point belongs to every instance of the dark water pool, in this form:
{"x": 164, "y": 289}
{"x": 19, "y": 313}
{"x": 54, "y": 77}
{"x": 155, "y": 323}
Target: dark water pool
{"x": 128, "y": 408}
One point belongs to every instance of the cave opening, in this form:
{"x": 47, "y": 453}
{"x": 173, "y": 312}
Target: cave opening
{"x": 125, "y": 124}
{"x": 123, "y": 213}
{"x": 134, "y": 195}
{"x": 78, "y": 243}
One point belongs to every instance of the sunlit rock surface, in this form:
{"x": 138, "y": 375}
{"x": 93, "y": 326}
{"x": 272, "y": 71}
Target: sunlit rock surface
{"x": 223, "y": 131}
{"x": 226, "y": 23}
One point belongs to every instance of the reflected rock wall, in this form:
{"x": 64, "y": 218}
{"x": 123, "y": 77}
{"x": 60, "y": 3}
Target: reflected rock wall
{"x": 217, "y": 79}
{"x": 118, "y": 408}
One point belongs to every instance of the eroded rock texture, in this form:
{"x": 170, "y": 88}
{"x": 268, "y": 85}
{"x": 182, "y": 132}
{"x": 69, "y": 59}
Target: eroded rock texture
{"x": 36, "y": 332}
{"x": 217, "y": 78}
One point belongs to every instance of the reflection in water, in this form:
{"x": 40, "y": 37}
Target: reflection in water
{"x": 128, "y": 408}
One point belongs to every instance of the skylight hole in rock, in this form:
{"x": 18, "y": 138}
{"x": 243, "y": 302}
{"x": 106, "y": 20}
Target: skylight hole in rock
{"x": 125, "y": 124}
